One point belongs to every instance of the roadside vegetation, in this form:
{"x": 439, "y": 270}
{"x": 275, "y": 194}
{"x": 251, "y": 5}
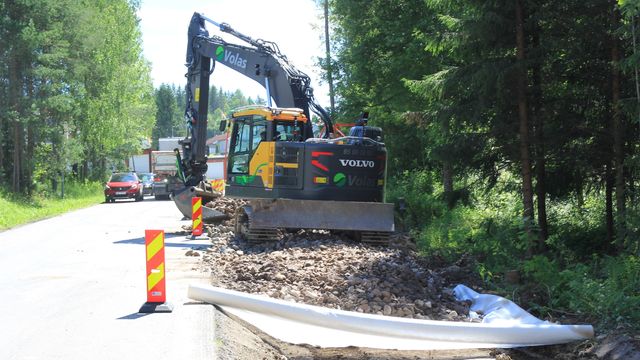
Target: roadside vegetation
{"x": 512, "y": 130}
{"x": 76, "y": 93}
{"x": 18, "y": 209}
{"x": 577, "y": 278}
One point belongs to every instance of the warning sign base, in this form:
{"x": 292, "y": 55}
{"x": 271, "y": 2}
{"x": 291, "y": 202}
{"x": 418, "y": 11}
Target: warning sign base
{"x": 156, "y": 307}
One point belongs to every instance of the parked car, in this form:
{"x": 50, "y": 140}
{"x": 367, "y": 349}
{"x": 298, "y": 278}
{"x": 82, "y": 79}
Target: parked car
{"x": 123, "y": 186}
{"x": 147, "y": 182}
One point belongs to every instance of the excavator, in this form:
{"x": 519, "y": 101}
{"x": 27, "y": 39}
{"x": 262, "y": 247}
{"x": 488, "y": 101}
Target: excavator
{"x": 291, "y": 179}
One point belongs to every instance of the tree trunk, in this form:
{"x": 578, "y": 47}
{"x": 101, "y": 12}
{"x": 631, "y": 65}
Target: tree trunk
{"x": 3, "y": 141}
{"x": 85, "y": 170}
{"x": 540, "y": 152}
{"x": 447, "y": 177}
{"x": 618, "y": 136}
{"x": 327, "y": 43}
{"x": 15, "y": 81}
{"x": 29, "y": 158}
{"x": 30, "y": 146}
{"x": 525, "y": 157}
{"x": 609, "y": 203}
{"x": 447, "y": 168}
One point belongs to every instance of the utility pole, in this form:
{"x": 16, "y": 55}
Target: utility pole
{"x": 328, "y": 56}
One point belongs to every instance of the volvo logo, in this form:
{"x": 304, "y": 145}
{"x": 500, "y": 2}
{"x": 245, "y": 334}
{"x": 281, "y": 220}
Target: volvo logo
{"x": 358, "y": 163}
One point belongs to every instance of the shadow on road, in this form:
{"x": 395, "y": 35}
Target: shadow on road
{"x": 133, "y": 316}
{"x": 140, "y": 241}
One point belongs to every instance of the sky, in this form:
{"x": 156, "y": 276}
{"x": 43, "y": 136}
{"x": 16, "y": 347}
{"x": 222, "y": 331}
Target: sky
{"x": 295, "y": 25}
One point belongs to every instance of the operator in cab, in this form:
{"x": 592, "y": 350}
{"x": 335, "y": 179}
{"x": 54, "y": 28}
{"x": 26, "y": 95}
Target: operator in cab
{"x": 358, "y": 129}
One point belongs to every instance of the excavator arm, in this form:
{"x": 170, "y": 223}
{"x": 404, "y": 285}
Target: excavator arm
{"x": 261, "y": 61}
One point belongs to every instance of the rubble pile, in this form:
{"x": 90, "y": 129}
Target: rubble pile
{"x": 225, "y": 205}
{"x": 320, "y": 268}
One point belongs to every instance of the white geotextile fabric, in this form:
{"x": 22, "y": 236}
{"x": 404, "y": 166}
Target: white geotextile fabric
{"x": 317, "y": 326}
{"x": 496, "y": 309}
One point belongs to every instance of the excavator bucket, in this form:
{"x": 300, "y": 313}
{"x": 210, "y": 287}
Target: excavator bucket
{"x": 182, "y": 199}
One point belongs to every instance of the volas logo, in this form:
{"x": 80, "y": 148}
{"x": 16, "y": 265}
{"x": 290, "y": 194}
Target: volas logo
{"x": 358, "y": 163}
{"x": 358, "y": 181}
{"x": 230, "y": 57}
{"x": 339, "y": 179}
{"x": 220, "y": 53}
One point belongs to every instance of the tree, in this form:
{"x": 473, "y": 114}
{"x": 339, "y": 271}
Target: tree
{"x": 76, "y": 85}
{"x": 523, "y": 116}
{"x": 165, "y": 110}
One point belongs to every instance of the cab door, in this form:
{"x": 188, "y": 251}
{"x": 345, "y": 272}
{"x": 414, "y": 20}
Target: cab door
{"x": 248, "y": 152}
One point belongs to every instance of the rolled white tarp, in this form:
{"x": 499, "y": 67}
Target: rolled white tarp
{"x": 317, "y": 326}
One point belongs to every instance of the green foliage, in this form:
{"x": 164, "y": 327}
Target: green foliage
{"x": 443, "y": 79}
{"x": 51, "y": 163}
{"x": 18, "y": 209}
{"x": 577, "y": 230}
{"x": 377, "y": 48}
{"x": 606, "y": 287}
{"x": 491, "y": 229}
{"x": 416, "y": 188}
{"x": 77, "y": 89}
{"x": 168, "y": 121}
{"x": 120, "y": 106}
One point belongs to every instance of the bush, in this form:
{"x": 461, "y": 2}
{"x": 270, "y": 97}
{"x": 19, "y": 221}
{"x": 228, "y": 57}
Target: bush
{"x": 416, "y": 188}
{"x": 606, "y": 288}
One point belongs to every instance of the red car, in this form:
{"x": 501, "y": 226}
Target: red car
{"x": 123, "y": 186}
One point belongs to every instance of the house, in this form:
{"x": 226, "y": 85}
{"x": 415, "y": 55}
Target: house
{"x": 217, "y": 144}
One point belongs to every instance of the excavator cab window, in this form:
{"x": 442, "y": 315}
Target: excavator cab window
{"x": 288, "y": 131}
{"x": 240, "y": 146}
{"x": 258, "y": 128}
{"x": 246, "y": 136}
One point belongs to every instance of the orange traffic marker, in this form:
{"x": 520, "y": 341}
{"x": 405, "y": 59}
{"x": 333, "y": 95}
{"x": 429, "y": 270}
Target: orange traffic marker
{"x": 156, "y": 287}
{"x": 196, "y": 205}
{"x": 218, "y": 185}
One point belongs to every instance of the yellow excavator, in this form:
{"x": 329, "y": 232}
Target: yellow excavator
{"x": 292, "y": 179}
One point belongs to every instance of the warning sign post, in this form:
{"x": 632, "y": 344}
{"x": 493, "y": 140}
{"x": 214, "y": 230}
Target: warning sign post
{"x": 156, "y": 286}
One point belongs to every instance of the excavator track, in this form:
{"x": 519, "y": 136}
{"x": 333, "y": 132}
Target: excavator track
{"x": 251, "y": 234}
{"x": 376, "y": 238}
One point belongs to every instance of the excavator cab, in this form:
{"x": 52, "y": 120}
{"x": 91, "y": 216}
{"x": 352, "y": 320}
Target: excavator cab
{"x": 256, "y": 132}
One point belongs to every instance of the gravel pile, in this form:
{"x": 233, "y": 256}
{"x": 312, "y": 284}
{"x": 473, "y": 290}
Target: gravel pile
{"x": 225, "y": 205}
{"x": 319, "y": 268}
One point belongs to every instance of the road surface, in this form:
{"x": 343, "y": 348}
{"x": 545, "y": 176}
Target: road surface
{"x": 71, "y": 287}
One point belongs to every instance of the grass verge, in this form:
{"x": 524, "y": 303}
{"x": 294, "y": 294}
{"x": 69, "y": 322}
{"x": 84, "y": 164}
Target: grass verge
{"x": 18, "y": 209}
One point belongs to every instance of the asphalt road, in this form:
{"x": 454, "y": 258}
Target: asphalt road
{"x": 71, "y": 287}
